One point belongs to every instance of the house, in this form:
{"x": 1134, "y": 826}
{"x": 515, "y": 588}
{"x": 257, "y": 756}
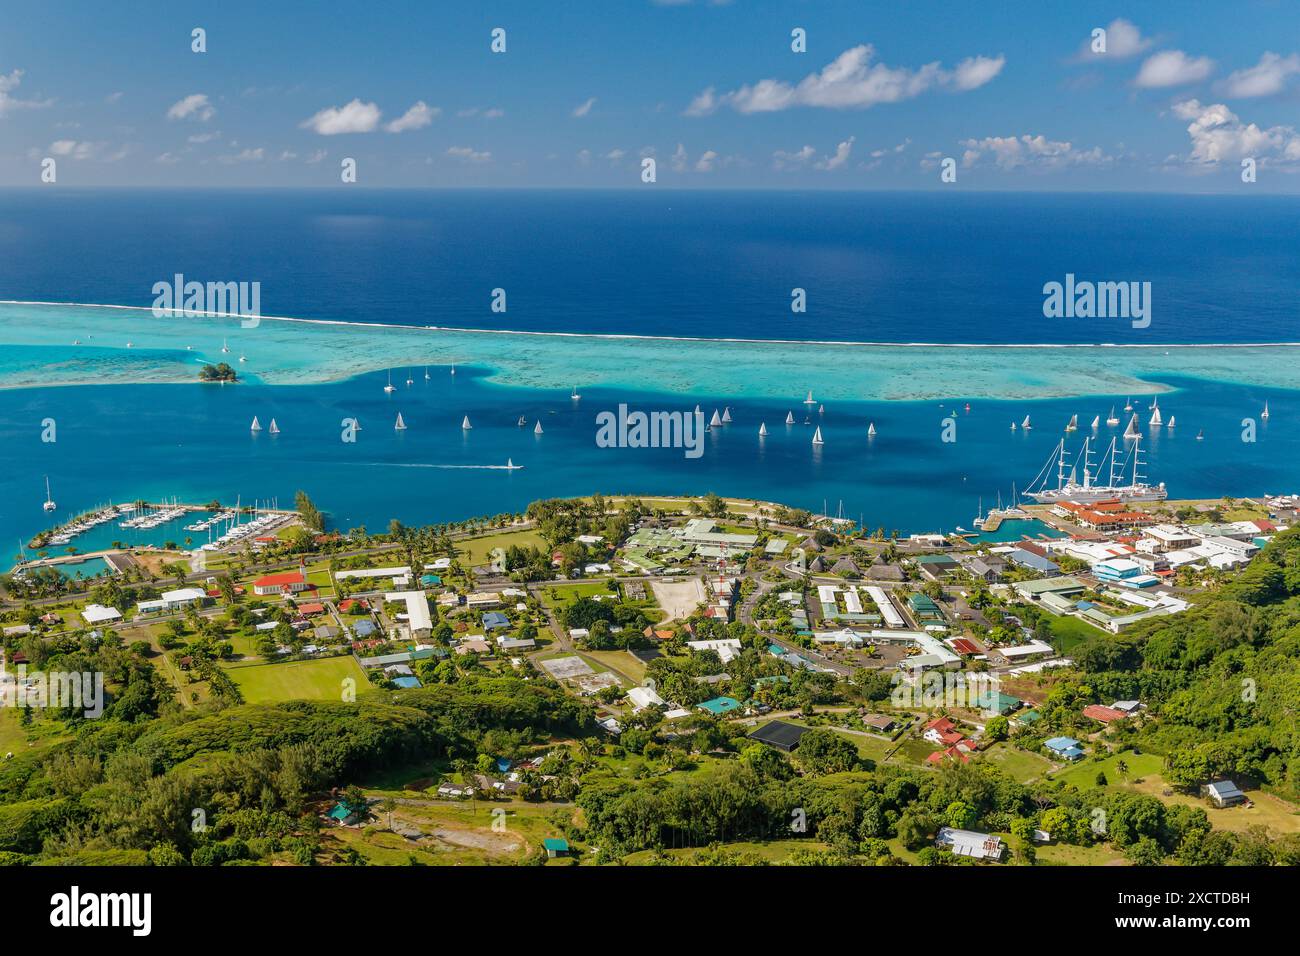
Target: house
{"x": 555, "y": 846}
{"x": 784, "y": 737}
{"x": 882, "y": 722}
{"x": 342, "y": 814}
{"x": 419, "y": 621}
{"x": 99, "y": 614}
{"x": 977, "y": 846}
{"x": 942, "y": 731}
{"x": 1223, "y": 793}
{"x": 1067, "y": 748}
{"x": 474, "y": 644}
{"x": 1103, "y": 714}
{"x": 482, "y": 599}
{"x": 989, "y": 570}
{"x": 720, "y": 705}
{"x": 998, "y": 702}
{"x": 364, "y": 628}
{"x": 1034, "y": 562}
{"x": 408, "y": 682}
{"x": 290, "y": 582}
{"x": 495, "y": 620}
{"x": 643, "y": 697}
{"x": 948, "y": 753}
{"x": 937, "y": 567}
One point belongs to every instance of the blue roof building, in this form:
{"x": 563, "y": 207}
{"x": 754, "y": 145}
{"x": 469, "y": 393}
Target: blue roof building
{"x": 407, "y": 683}
{"x": 1065, "y": 747}
{"x": 495, "y": 621}
{"x": 364, "y": 628}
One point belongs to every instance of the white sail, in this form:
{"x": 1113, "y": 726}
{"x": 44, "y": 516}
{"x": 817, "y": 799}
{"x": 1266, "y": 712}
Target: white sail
{"x": 1155, "y": 416}
{"x": 399, "y": 425}
{"x": 1013, "y": 426}
{"x": 49, "y": 499}
{"x": 511, "y": 466}
{"x": 390, "y": 387}
{"x": 789, "y": 418}
{"x": 1073, "y": 424}
{"x": 871, "y": 430}
{"x": 1264, "y": 413}
{"x": 810, "y": 400}
{"x": 409, "y": 380}
{"x": 1132, "y": 430}
{"x": 817, "y": 436}
{"x": 715, "y": 420}
{"x": 256, "y": 426}
{"x": 1200, "y": 436}
{"x": 575, "y": 396}
{"x": 1096, "y": 422}
{"x": 465, "y": 424}
{"x": 762, "y": 430}
{"x": 427, "y": 376}
{"x": 821, "y": 409}
{"x": 1025, "y": 423}
{"x": 1128, "y": 404}
{"x": 275, "y": 429}
{"x": 1171, "y": 422}
{"x": 726, "y": 414}
{"x": 538, "y": 429}
{"x": 453, "y": 370}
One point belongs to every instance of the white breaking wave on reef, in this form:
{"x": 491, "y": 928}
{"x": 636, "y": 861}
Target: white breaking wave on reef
{"x": 291, "y": 351}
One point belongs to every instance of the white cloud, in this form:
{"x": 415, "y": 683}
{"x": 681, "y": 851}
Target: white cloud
{"x": 467, "y": 155}
{"x": 195, "y": 105}
{"x": 85, "y": 150}
{"x": 1011, "y": 152}
{"x": 851, "y": 81}
{"x": 1265, "y": 78}
{"x": 840, "y": 158}
{"x": 583, "y": 108}
{"x": 614, "y": 155}
{"x": 113, "y": 98}
{"x": 10, "y": 82}
{"x": 167, "y": 159}
{"x": 1172, "y": 68}
{"x": 1218, "y": 135}
{"x": 801, "y": 157}
{"x": 355, "y": 117}
{"x": 494, "y": 113}
{"x": 418, "y": 116}
{"x": 1123, "y": 41}
{"x": 678, "y": 159}
{"x": 199, "y": 138}
{"x": 244, "y": 156}
{"x": 706, "y": 161}
{"x": 317, "y": 156}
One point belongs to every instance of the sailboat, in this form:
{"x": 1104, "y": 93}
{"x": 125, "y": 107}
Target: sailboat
{"x": 1025, "y": 424}
{"x": 1264, "y": 413}
{"x": 1171, "y": 422}
{"x": 511, "y": 466}
{"x": 716, "y": 420}
{"x": 821, "y": 409}
{"x": 810, "y": 400}
{"x": 1132, "y": 430}
{"x": 1073, "y": 425}
{"x": 49, "y": 499}
{"x": 243, "y": 358}
{"x": 1128, "y": 404}
{"x": 522, "y": 421}
{"x": 1155, "y": 419}
{"x": 409, "y": 381}
{"x": 789, "y": 418}
{"x": 390, "y": 387}
{"x": 453, "y": 369}
{"x": 256, "y": 426}
{"x": 1013, "y": 426}
{"x": 1200, "y": 436}
{"x": 575, "y": 396}
{"x": 274, "y": 429}
{"x": 427, "y": 376}
{"x": 762, "y": 430}
{"x": 537, "y": 430}
{"x": 726, "y": 415}
{"x": 1111, "y": 419}
{"x": 400, "y": 425}
{"x": 817, "y": 436}
{"x": 1096, "y": 422}
{"x": 225, "y": 349}
{"x": 871, "y": 430}
{"x": 465, "y": 425}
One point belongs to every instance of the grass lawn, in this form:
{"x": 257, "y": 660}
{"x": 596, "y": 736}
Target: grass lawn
{"x": 1084, "y": 774}
{"x": 297, "y": 680}
{"x": 1020, "y": 764}
{"x": 558, "y": 595}
{"x": 1265, "y": 810}
{"x": 772, "y": 852}
{"x": 620, "y": 661}
{"x": 451, "y": 834}
{"x": 1063, "y": 854}
{"x": 1069, "y": 632}
{"x": 39, "y": 734}
{"x": 474, "y": 551}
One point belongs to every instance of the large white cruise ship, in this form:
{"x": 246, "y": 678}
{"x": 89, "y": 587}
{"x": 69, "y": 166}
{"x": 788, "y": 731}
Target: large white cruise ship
{"x": 1070, "y": 488}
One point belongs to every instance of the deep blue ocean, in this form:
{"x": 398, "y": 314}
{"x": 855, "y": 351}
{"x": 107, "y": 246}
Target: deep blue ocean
{"x": 889, "y": 267}
{"x": 897, "y": 267}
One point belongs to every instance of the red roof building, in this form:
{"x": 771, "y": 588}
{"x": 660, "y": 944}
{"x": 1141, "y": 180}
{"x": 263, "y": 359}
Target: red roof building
{"x": 962, "y": 646}
{"x": 290, "y": 582}
{"x": 1103, "y": 714}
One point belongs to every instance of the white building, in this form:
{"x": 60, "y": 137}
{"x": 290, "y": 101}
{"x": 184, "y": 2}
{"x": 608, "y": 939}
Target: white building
{"x": 418, "y": 619}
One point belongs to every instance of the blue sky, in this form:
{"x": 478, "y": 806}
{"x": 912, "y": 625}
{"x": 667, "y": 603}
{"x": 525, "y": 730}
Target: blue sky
{"x": 712, "y": 91}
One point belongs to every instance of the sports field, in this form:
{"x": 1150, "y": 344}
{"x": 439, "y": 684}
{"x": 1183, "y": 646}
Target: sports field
{"x": 298, "y": 680}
